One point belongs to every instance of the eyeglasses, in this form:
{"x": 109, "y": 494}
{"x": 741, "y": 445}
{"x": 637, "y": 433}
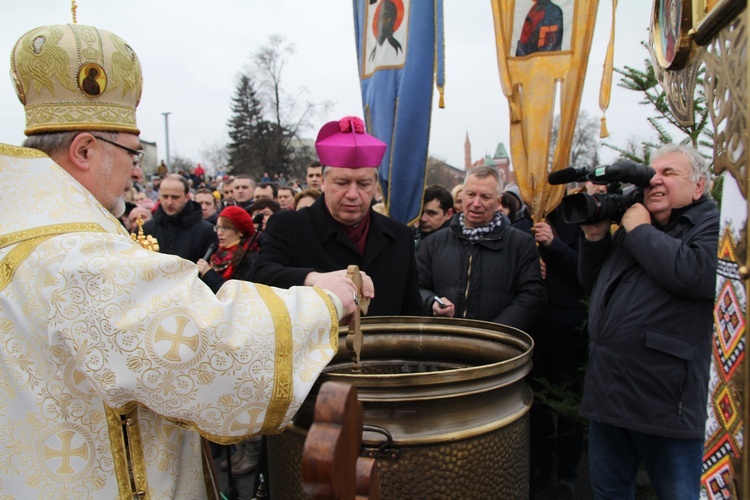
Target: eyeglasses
{"x": 137, "y": 155}
{"x": 223, "y": 228}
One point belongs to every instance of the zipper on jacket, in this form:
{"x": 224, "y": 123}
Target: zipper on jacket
{"x": 468, "y": 281}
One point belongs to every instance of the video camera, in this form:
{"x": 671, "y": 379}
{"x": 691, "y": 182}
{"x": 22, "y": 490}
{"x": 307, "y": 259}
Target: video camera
{"x": 589, "y": 208}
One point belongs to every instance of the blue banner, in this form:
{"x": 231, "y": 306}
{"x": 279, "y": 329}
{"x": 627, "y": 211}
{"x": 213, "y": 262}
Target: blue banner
{"x": 399, "y": 51}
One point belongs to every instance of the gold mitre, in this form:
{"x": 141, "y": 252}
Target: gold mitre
{"x": 76, "y": 77}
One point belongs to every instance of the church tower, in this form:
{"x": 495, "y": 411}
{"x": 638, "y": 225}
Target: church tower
{"x": 467, "y": 153}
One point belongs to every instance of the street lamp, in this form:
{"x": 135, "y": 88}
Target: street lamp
{"x": 166, "y": 134}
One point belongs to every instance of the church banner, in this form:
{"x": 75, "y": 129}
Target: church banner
{"x": 400, "y": 54}
{"x": 542, "y": 47}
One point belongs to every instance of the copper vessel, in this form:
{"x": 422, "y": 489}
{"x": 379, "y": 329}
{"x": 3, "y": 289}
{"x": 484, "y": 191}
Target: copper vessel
{"x": 445, "y": 408}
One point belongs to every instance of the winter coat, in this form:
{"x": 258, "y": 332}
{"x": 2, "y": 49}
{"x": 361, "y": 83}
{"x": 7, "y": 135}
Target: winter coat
{"x": 296, "y": 243}
{"x": 185, "y": 234}
{"x": 650, "y": 322}
{"x": 497, "y": 278}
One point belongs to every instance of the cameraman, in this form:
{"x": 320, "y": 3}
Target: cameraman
{"x": 652, "y": 291}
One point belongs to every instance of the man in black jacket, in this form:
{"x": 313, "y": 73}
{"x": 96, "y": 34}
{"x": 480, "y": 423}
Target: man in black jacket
{"x": 178, "y": 223}
{"x": 652, "y": 291}
{"x": 480, "y": 267}
{"x": 340, "y": 228}
{"x": 437, "y": 210}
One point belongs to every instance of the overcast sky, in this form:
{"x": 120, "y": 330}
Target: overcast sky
{"x": 192, "y": 52}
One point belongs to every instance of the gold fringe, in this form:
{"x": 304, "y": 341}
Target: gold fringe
{"x": 74, "y": 9}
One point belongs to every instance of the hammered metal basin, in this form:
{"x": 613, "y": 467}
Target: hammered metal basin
{"x": 428, "y": 380}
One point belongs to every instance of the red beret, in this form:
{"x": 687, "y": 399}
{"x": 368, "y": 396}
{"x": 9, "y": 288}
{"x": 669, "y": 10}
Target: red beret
{"x": 241, "y": 220}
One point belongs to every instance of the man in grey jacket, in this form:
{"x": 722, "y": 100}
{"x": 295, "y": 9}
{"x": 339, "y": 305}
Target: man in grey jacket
{"x": 480, "y": 267}
{"x": 652, "y": 291}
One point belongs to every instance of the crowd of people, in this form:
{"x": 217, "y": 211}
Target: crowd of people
{"x": 119, "y": 359}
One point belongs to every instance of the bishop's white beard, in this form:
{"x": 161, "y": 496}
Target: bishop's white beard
{"x": 117, "y": 206}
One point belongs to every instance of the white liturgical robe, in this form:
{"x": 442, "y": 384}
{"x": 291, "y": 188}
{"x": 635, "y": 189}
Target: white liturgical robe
{"x": 98, "y": 334}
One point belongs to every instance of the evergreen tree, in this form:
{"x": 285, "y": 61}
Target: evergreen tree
{"x": 246, "y": 130}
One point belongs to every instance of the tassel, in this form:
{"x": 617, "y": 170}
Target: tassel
{"x": 606, "y": 87}
{"x": 441, "y": 103}
{"x": 74, "y": 9}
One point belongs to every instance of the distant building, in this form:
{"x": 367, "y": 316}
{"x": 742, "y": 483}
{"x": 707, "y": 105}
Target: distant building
{"x": 149, "y": 162}
{"x": 439, "y": 172}
{"x": 499, "y": 160}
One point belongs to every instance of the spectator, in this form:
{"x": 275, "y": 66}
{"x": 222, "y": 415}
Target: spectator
{"x": 560, "y": 346}
{"x": 480, "y": 267}
{"x": 138, "y": 212}
{"x": 457, "y": 194}
{"x": 521, "y": 218}
{"x": 151, "y": 192}
{"x": 162, "y": 170}
{"x": 437, "y": 210}
{"x": 285, "y": 197}
{"x": 341, "y": 229}
{"x": 265, "y": 190}
{"x": 314, "y": 175}
{"x": 243, "y": 189}
{"x": 141, "y": 199}
{"x": 264, "y": 208}
{"x": 305, "y": 198}
{"x": 650, "y": 317}
{"x": 178, "y": 223}
{"x": 238, "y": 242}
{"x": 209, "y": 205}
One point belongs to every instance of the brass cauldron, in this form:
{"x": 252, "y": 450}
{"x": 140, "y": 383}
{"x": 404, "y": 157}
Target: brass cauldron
{"x": 445, "y": 409}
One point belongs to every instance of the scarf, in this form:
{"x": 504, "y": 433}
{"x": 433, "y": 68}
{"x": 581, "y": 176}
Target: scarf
{"x": 477, "y": 233}
{"x": 358, "y": 232}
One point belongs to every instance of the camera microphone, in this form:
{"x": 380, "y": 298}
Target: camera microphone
{"x": 629, "y": 171}
{"x": 211, "y": 249}
{"x": 567, "y": 175}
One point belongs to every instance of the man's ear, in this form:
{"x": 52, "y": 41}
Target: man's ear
{"x": 701, "y": 185}
{"x": 82, "y": 151}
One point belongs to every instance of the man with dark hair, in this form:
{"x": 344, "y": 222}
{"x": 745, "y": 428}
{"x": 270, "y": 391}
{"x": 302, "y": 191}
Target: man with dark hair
{"x": 480, "y": 267}
{"x": 437, "y": 210}
{"x": 243, "y": 189}
{"x": 314, "y": 175}
{"x": 178, "y": 223}
{"x": 266, "y": 190}
{"x": 209, "y": 205}
{"x": 285, "y": 197}
{"x": 340, "y": 228}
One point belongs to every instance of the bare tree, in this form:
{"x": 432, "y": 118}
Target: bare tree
{"x": 215, "y": 155}
{"x": 291, "y": 113}
{"x": 584, "y": 152}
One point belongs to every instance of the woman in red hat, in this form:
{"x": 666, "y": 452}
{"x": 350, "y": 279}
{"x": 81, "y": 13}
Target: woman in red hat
{"x": 237, "y": 244}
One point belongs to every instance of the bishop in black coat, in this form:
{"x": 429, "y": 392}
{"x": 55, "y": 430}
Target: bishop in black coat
{"x": 299, "y": 242}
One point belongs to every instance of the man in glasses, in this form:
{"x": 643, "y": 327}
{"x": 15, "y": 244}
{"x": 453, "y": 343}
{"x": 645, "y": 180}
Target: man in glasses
{"x": 117, "y": 358}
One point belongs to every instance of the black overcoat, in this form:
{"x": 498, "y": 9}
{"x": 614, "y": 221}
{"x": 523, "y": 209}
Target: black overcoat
{"x": 296, "y": 243}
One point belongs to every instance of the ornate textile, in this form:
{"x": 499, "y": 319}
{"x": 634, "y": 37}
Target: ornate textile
{"x": 91, "y": 322}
